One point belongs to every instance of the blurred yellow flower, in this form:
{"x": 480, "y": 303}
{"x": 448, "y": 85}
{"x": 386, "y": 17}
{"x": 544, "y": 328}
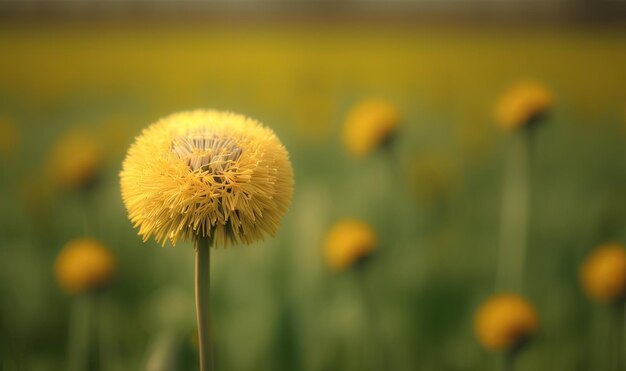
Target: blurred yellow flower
{"x": 348, "y": 241}
{"x": 9, "y": 136}
{"x": 83, "y": 264}
{"x": 505, "y": 322}
{"x": 210, "y": 173}
{"x": 522, "y": 103}
{"x": 603, "y": 274}
{"x": 76, "y": 160}
{"x": 369, "y": 125}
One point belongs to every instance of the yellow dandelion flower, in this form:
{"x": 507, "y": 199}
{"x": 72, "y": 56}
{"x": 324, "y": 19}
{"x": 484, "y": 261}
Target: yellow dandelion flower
{"x": 208, "y": 173}
{"x": 504, "y": 322}
{"x": 83, "y": 264}
{"x": 603, "y": 274}
{"x": 523, "y": 103}
{"x": 76, "y": 160}
{"x": 369, "y": 125}
{"x": 348, "y": 241}
{"x": 9, "y": 136}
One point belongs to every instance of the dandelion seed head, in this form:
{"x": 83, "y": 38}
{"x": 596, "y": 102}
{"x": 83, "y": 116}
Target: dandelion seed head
{"x": 505, "y": 322}
{"x": 603, "y": 274}
{"x": 207, "y": 173}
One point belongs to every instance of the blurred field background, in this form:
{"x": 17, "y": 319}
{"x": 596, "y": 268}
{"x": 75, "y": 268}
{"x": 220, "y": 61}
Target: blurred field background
{"x": 436, "y": 205}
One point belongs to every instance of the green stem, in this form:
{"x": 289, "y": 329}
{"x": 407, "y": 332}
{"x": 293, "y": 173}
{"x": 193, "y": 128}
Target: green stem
{"x": 393, "y": 222}
{"x": 622, "y": 351}
{"x": 371, "y": 311}
{"x": 108, "y": 358}
{"x": 393, "y": 163}
{"x": 515, "y": 214}
{"x": 618, "y": 327}
{"x": 87, "y": 211}
{"x": 203, "y": 301}
{"x": 163, "y": 354}
{"x": 508, "y": 363}
{"x": 79, "y": 334}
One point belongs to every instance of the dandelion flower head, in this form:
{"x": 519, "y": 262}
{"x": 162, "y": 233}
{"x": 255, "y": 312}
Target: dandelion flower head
{"x": 505, "y": 322}
{"x": 207, "y": 173}
{"x": 83, "y": 264}
{"x": 522, "y": 103}
{"x": 603, "y": 274}
{"x": 348, "y": 241}
{"x": 369, "y": 125}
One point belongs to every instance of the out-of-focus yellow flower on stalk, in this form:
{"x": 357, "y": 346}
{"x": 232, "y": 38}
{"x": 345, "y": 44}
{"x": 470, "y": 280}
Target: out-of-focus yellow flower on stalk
{"x": 369, "y": 125}
{"x": 522, "y": 103}
{"x": 348, "y": 241}
{"x": 519, "y": 109}
{"x": 348, "y": 244}
{"x": 505, "y": 322}
{"x": 76, "y": 161}
{"x": 603, "y": 274}
{"x": 84, "y": 265}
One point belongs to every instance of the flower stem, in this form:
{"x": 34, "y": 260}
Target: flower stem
{"x": 371, "y": 311}
{"x": 515, "y": 214}
{"x": 395, "y": 171}
{"x": 621, "y": 345}
{"x": 622, "y": 352}
{"x": 79, "y": 333}
{"x": 508, "y": 363}
{"x": 86, "y": 202}
{"x": 107, "y": 352}
{"x": 618, "y": 327}
{"x": 203, "y": 301}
